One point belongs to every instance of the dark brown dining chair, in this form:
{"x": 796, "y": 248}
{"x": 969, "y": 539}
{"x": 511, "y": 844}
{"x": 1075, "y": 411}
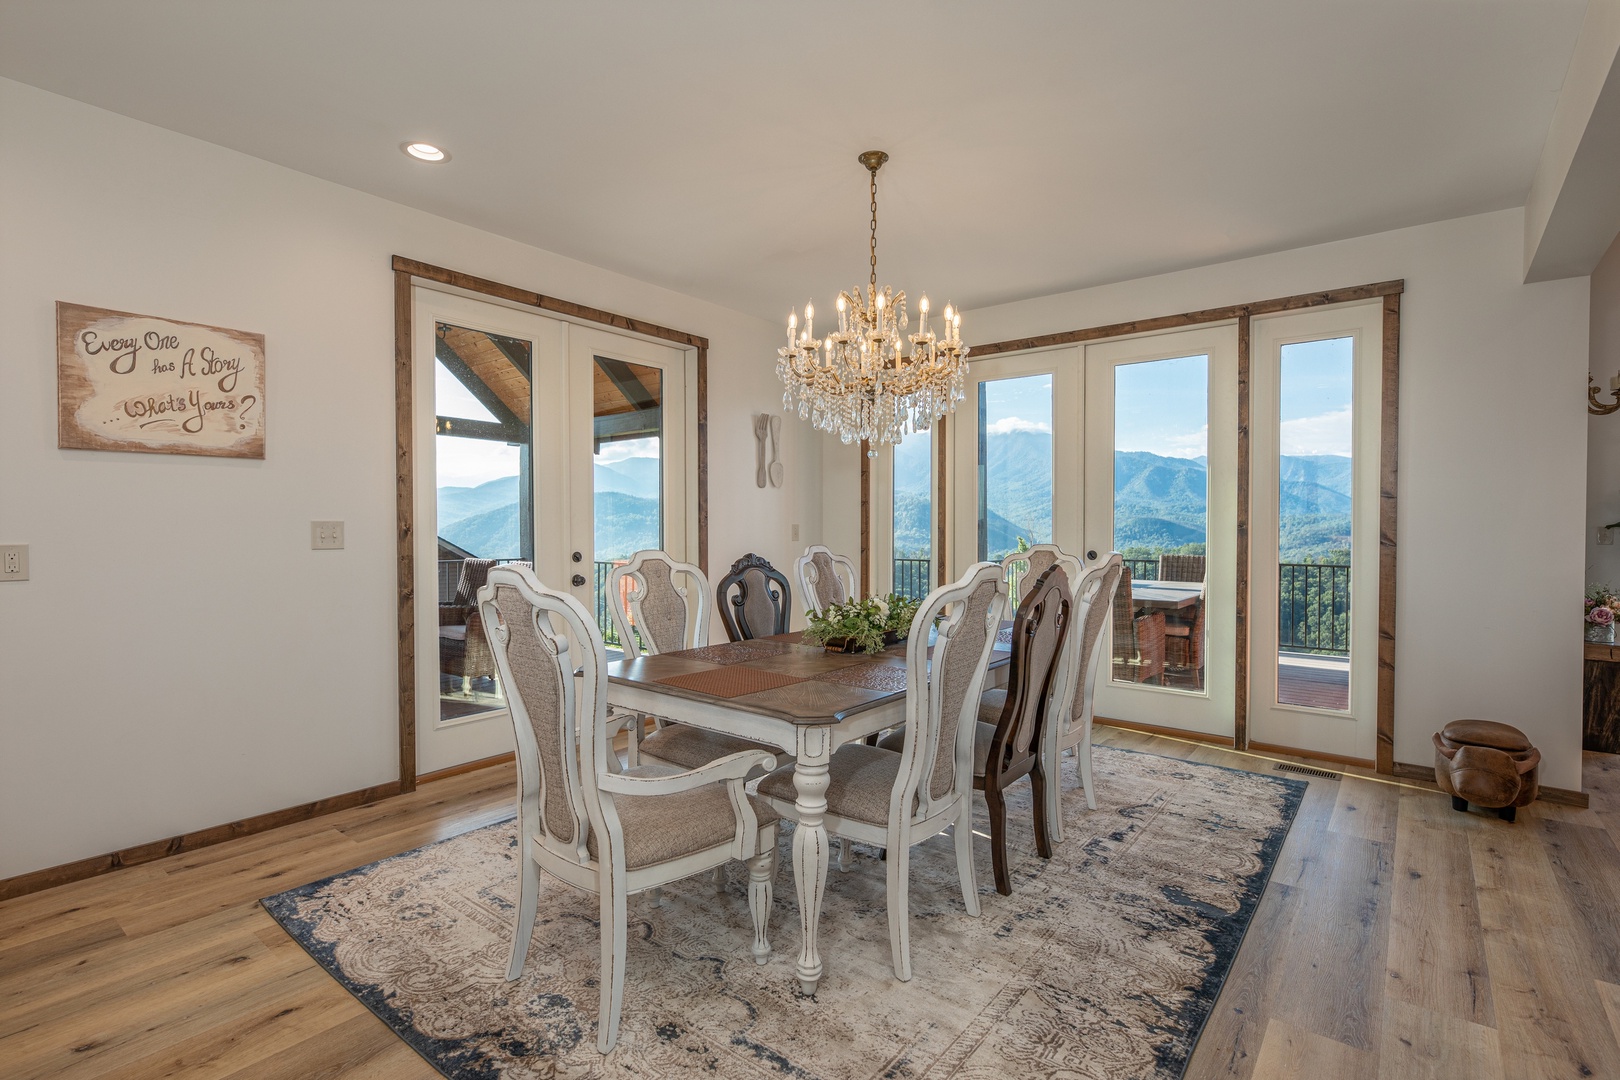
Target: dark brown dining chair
{"x": 1007, "y": 737}
{"x": 1044, "y": 619}
{"x": 754, "y": 599}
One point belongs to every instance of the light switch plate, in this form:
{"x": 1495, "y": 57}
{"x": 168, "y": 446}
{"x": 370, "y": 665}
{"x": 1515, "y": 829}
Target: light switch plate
{"x": 795, "y": 533}
{"x": 13, "y": 562}
{"x": 325, "y": 535}
{"x": 1604, "y": 536}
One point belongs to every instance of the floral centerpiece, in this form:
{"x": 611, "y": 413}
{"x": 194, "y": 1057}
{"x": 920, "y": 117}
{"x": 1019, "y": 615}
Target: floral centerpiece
{"x": 1601, "y": 606}
{"x": 862, "y": 625}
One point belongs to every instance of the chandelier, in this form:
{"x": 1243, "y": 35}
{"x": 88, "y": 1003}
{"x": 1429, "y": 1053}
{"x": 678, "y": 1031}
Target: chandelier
{"x": 858, "y": 383}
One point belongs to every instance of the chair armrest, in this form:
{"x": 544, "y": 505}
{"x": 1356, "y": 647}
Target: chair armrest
{"x": 731, "y": 767}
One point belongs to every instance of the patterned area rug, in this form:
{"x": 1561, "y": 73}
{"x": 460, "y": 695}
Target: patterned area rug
{"x": 1105, "y": 961}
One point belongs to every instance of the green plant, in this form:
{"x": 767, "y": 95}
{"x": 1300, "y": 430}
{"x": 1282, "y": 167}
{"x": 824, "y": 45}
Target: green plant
{"x": 862, "y": 622}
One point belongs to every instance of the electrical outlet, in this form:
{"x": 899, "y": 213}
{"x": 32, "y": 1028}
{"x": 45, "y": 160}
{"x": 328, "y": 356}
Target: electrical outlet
{"x": 13, "y": 562}
{"x": 1605, "y": 536}
{"x": 795, "y": 534}
{"x": 325, "y": 535}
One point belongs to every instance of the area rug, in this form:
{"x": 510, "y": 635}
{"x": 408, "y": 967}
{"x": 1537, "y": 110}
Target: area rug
{"x": 1105, "y": 962}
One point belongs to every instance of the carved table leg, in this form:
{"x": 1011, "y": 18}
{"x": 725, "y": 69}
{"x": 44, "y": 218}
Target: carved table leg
{"x": 810, "y": 847}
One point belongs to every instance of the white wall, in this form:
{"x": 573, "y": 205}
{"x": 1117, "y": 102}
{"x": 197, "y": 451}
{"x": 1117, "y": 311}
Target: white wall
{"x": 180, "y": 657}
{"x": 1603, "y": 432}
{"x": 1492, "y": 452}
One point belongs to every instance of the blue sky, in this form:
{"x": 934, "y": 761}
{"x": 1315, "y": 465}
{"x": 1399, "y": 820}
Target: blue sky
{"x": 1162, "y": 406}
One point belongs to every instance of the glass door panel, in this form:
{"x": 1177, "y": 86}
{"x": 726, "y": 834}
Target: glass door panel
{"x": 631, "y": 397}
{"x": 1161, "y": 456}
{"x": 484, "y": 489}
{"x": 1161, "y": 483}
{"x": 1315, "y": 529}
{"x": 1014, "y": 465}
{"x": 627, "y": 470}
{"x": 903, "y": 523}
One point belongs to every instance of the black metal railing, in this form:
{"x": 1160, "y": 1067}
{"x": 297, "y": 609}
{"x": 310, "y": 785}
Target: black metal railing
{"x": 1313, "y": 607}
{"x": 604, "y": 621}
{"x": 913, "y": 578}
{"x": 1144, "y": 569}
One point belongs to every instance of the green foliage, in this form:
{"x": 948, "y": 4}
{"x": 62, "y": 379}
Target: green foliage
{"x": 863, "y": 622}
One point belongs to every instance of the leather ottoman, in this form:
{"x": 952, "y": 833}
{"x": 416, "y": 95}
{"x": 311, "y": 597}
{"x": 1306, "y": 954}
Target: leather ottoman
{"x": 1488, "y": 764}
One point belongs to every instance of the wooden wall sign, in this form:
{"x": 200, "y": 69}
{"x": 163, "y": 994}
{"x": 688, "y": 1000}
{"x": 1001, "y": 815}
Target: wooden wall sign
{"x": 157, "y": 386}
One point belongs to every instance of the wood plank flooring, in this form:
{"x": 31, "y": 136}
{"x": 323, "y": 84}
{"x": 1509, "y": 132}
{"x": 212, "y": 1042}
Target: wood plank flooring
{"x": 1398, "y": 939}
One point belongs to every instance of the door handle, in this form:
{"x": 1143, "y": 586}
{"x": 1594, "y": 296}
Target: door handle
{"x": 579, "y": 579}
{"x": 578, "y": 557}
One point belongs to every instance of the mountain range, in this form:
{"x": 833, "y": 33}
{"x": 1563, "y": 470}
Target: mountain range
{"x": 1159, "y": 502}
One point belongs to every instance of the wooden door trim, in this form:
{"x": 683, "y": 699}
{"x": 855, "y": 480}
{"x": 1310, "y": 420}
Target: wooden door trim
{"x": 406, "y": 273}
{"x": 1389, "y": 404}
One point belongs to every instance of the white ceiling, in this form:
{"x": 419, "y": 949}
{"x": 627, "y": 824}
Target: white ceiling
{"x": 710, "y": 148}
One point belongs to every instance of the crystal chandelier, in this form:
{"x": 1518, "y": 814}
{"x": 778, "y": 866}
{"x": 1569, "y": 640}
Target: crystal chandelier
{"x": 858, "y": 383}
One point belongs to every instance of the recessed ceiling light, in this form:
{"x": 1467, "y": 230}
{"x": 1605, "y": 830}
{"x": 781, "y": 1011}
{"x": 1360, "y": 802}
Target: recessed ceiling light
{"x": 422, "y": 151}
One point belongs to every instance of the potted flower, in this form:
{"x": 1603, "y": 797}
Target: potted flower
{"x": 862, "y": 625}
{"x": 1601, "y": 606}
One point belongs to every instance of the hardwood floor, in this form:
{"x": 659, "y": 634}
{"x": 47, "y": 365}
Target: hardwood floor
{"x": 1398, "y": 939}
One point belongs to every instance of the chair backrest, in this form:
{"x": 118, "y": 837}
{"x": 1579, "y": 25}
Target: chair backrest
{"x": 1093, "y": 604}
{"x": 667, "y": 601}
{"x": 541, "y": 638}
{"x": 1040, "y": 633}
{"x": 474, "y": 572}
{"x": 942, "y": 690}
{"x": 1181, "y": 568}
{"x": 1124, "y": 613}
{"x": 1022, "y": 566}
{"x": 826, "y": 578}
{"x": 762, "y": 602}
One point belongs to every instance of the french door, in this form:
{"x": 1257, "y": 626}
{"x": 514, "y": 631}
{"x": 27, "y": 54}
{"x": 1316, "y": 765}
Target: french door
{"x": 541, "y": 441}
{"x": 1161, "y": 488}
{"x": 1124, "y": 444}
{"x": 1314, "y": 534}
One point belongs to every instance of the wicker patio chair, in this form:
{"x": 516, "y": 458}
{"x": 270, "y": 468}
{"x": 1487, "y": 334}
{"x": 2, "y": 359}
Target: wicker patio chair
{"x": 1138, "y": 639}
{"x": 1181, "y": 568}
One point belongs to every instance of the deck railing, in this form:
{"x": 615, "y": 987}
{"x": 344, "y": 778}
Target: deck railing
{"x": 913, "y": 577}
{"x": 604, "y": 621}
{"x": 1313, "y": 607}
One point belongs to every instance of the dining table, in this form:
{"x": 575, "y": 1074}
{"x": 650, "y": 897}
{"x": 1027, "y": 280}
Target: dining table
{"x": 782, "y": 692}
{"x": 1165, "y": 595}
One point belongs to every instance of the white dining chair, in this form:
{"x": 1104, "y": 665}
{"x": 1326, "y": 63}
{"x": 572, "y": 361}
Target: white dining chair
{"x": 1030, "y": 564}
{"x": 667, "y": 602}
{"x": 826, "y": 578}
{"x": 895, "y": 800}
{"x": 610, "y": 833}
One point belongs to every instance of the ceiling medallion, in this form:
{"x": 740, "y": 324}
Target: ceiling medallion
{"x": 858, "y": 383}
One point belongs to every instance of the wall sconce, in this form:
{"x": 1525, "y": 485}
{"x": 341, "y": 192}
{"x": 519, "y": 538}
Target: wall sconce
{"x": 1596, "y": 407}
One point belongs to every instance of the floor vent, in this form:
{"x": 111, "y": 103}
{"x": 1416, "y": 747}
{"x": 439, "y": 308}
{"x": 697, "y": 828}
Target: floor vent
{"x": 1307, "y": 771}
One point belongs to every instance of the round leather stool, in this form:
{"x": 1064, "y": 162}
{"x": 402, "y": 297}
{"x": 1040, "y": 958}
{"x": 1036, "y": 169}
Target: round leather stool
{"x": 1488, "y": 764}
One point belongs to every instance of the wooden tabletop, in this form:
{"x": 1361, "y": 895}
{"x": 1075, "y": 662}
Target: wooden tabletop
{"x": 1166, "y": 594}
{"x": 779, "y": 677}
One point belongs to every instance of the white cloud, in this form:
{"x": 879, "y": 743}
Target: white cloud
{"x": 470, "y": 462}
{"x": 1324, "y": 433}
{"x": 1192, "y": 444}
{"x": 1009, "y": 424}
{"x": 626, "y": 448}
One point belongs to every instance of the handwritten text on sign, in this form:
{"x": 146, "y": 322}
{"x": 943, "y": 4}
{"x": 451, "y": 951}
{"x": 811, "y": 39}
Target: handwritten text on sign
{"x": 135, "y": 382}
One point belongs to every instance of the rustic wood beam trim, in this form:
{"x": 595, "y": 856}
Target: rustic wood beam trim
{"x": 1555, "y": 795}
{"x": 466, "y": 767}
{"x": 866, "y": 521}
{"x": 461, "y": 428}
{"x": 96, "y": 865}
{"x": 1240, "y": 695}
{"x": 1190, "y": 318}
{"x": 1388, "y": 441}
{"x": 626, "y": 383}
{"x": 405, "y": 517}
{"x": 703, "y": 456}
{"x": 1156, "y": 729}
{"x": 429, "y": 272}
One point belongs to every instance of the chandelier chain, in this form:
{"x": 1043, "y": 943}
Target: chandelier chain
{"x": 874, "y": 232}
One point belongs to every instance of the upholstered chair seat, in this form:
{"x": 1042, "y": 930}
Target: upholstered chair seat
{"x": 689, "y": 747}
{"x": 662, "y": 828}
{"x": 859, "y": 782}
